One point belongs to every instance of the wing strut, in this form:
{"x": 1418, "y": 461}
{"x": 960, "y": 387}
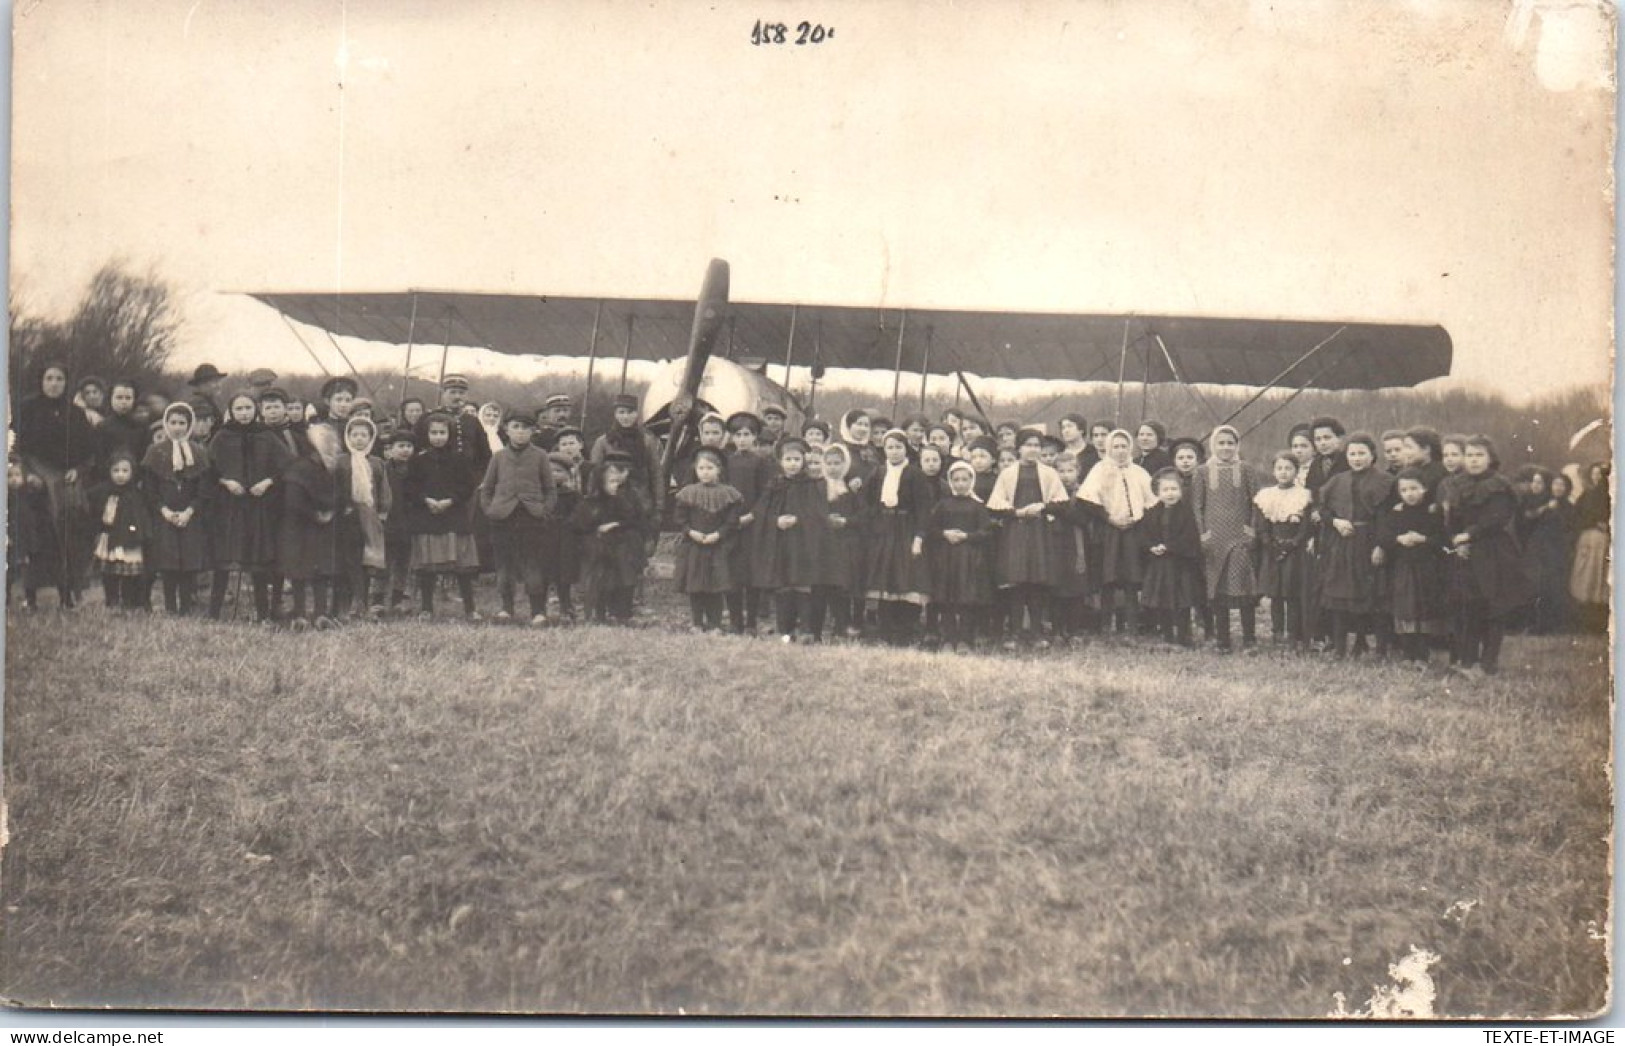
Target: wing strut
{"x": 1192, "y": 389}
{"x": 1275, "y": 380}
{"x": 626, "y": 356}
{"x": 980, "y": 413}
{"x": 592, "y": 358}
{"x": 1122, "y": 365}
{"x": 790, "y": 346}
{"x": 406, "y": 372}
{"x": 925, "y": 365}
{"x": 335, "y": 343}
{"x": 897, "y": 368}
{"x": 304, "y": 343}
{"x": 1295, "y": 393}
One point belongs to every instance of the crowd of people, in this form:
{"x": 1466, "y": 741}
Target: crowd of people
{"x": 951, "y": 532}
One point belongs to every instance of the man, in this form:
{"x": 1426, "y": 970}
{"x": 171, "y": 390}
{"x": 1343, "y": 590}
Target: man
{"x": 467, "y": 436}
{"x": 205, "y": 385}
{"x": 773, "y": 418}
{"x": 260, "y": 379}
{"x": 553, "y": 418}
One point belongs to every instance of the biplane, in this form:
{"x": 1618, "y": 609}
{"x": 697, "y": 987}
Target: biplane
{"x": 703, "y": 345}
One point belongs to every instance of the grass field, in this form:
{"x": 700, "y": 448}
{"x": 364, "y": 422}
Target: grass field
{"x": 414, "y": 816}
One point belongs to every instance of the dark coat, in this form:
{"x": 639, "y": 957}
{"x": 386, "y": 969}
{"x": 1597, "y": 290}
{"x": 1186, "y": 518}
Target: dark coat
{"x": 308, "y": 546}
{"x": 1173, "y": 581}
{"x": 1416, "y": 574}
{"x": 55, "y": 433}
{"x": 439, "y": 473}
{"x": 1491, "y": 575}
{"x": 961, "y": 575}
{"x": 804, "y": 555}
{"x": 706, "y": 510}
{"x": 179, "y": 548}
{"x": 615, "y": 559}
{"x": 243, "y": 527}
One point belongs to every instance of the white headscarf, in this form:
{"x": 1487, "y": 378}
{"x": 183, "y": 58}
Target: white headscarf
{"x": 360, "y": 464}
{"x": 181, "y": 457}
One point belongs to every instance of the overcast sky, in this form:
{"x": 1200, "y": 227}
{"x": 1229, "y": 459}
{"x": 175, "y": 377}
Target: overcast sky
{"x": 1439, "y": 162}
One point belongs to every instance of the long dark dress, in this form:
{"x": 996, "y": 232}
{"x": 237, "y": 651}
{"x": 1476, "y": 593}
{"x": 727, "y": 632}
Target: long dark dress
{"x": 1172, "y": 581}
{"x": 1549, "y": 526}
{"x": 442, "y": 541}
{"x": 748, "y": 473}
{"x": 1025, "y": 547}
{"x": 612, "y": 560}
{"x": 307, "y": 545}
{"x": 1491, "y": 577}
{"x": 179, "y": 548}
{"x": 892, "y": 571}
{"x": 242, "y": 526}
{"x": 1415, "y": 590}
{"x": 711, "y": 509}
{"x": 803, "y": 555}
{"x": 1069, "y": 525}
{"x": 53, "y": 438}
{"x": 847, "y": 545}
{"x": 1282, "y": 524}
{"x": 959, "y": 573}
{"x": 1348, "y": 579}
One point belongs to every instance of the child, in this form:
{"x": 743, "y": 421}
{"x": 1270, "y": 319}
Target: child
{"x": 439, "y": 488}
{"x": 983, "y": 456}
{"x": 1350, "y": 502}
{"x": 248, "y": 460}
{"x": 1049, "y": 448}
{"x": 1118, "y": 492}
{"x": 1423, "y": 449}
{"x": 561, "y": 557}
{"x": 363, "y": 505}
{"x": 749, "y": 473}
{"x": 1548, "y": 518}
{"x": 1410, "y": 550}
{"x": 707, "y": 515}
{"x": 120, "y": 430}
{"x": 713, "y": 434}
{"x": 795, "y": 552}
{"x": 1025, "y": 499}
{"x": 30, "y": 541}
{"x": 1393, "y": 451}
{"x": 896, "y": 502}
{"x": 1282, "y": 524}
{"x": 611, "y": 520}
{"x": 1452, "y": 455}
{"x": 1009, "y": 458}
{"x": 124, "y": 523}
{"x": 517, "y": 496}
{"x": 1486, "y": 579}
{"x": 307, "y": 552}
{"x": 1173, "y": 567}
{"x": 941, "y": 437}
{"x": 412, "y": 411}
{"x": 816, "y": 434}
{"x": 397, "y": 535}
{"x": 177, "y": 475}
{"x": 842, "y": 588}
{"x": 960, "y": 530}
{"x": 1225, "y": 488}
{"x": 1069, "y": 532}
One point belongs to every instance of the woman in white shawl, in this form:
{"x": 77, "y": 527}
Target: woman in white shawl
{"x": 1118, "y": 491}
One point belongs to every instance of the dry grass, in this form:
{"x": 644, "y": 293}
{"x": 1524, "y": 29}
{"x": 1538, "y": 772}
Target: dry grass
{"x": 440, "y": 816}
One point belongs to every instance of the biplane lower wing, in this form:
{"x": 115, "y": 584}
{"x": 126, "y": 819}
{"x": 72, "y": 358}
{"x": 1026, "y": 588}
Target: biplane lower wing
{"x": 1074, "y": 346}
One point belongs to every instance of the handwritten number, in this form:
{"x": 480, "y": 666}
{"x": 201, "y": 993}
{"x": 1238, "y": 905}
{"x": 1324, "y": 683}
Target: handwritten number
{"x": 803, "y": 29}
{"x": 777, "y": 33}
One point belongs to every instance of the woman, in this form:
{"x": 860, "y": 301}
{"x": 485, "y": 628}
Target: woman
{"x": 1588, "y": 583}
{"x": 57, "y": 446}
{"x": 1487, "y": 581}
{"x": 1225, "y": 488}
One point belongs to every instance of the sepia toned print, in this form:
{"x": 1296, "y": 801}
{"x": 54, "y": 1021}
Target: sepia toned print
{"x": 1081, "y": 510}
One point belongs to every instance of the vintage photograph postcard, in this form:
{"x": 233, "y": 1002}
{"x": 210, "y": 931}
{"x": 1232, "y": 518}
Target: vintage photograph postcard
{"x": 908, "y": 508}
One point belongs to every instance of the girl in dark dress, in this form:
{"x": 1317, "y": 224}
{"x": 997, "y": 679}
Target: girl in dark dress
{"x": 795, "y": 550}
{"x": 124, "y": 522}
{"x": 707, "y": 514}
{"x": 612, "y": 522}
{"x": 31, "y": 555}
{"x": 1026, "y": 501}
{"x": 1486, "y": 577}
{"x": 120, "y": 429}
{"x": 1117, "y": 493}
{"x": 1069, "y": 535}
{"x": 57, "y": 447}
{"x": 896, "y": 501}
{"x": 307, "y": 553}
{"x": 1349, "y": 504}
{"x": 178, "y": 474}
{"x": 1281, "y": 521}
{"x": 1411, "y": 551}
{"x": 843, "y": 587}
{"x": 439, "y": 488}
{"x": 959, "y": 535}
{"x": 1173, "y": 560}
{"x": 248, "y": 461}
{"x": 748, "y": 472}
{"x": 561, "y": 557}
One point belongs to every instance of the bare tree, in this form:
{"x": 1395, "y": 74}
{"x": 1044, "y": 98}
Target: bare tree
{"x": 125, "y": 326}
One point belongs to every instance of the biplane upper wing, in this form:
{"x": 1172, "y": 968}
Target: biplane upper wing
{"x": 1075, "y": 346}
